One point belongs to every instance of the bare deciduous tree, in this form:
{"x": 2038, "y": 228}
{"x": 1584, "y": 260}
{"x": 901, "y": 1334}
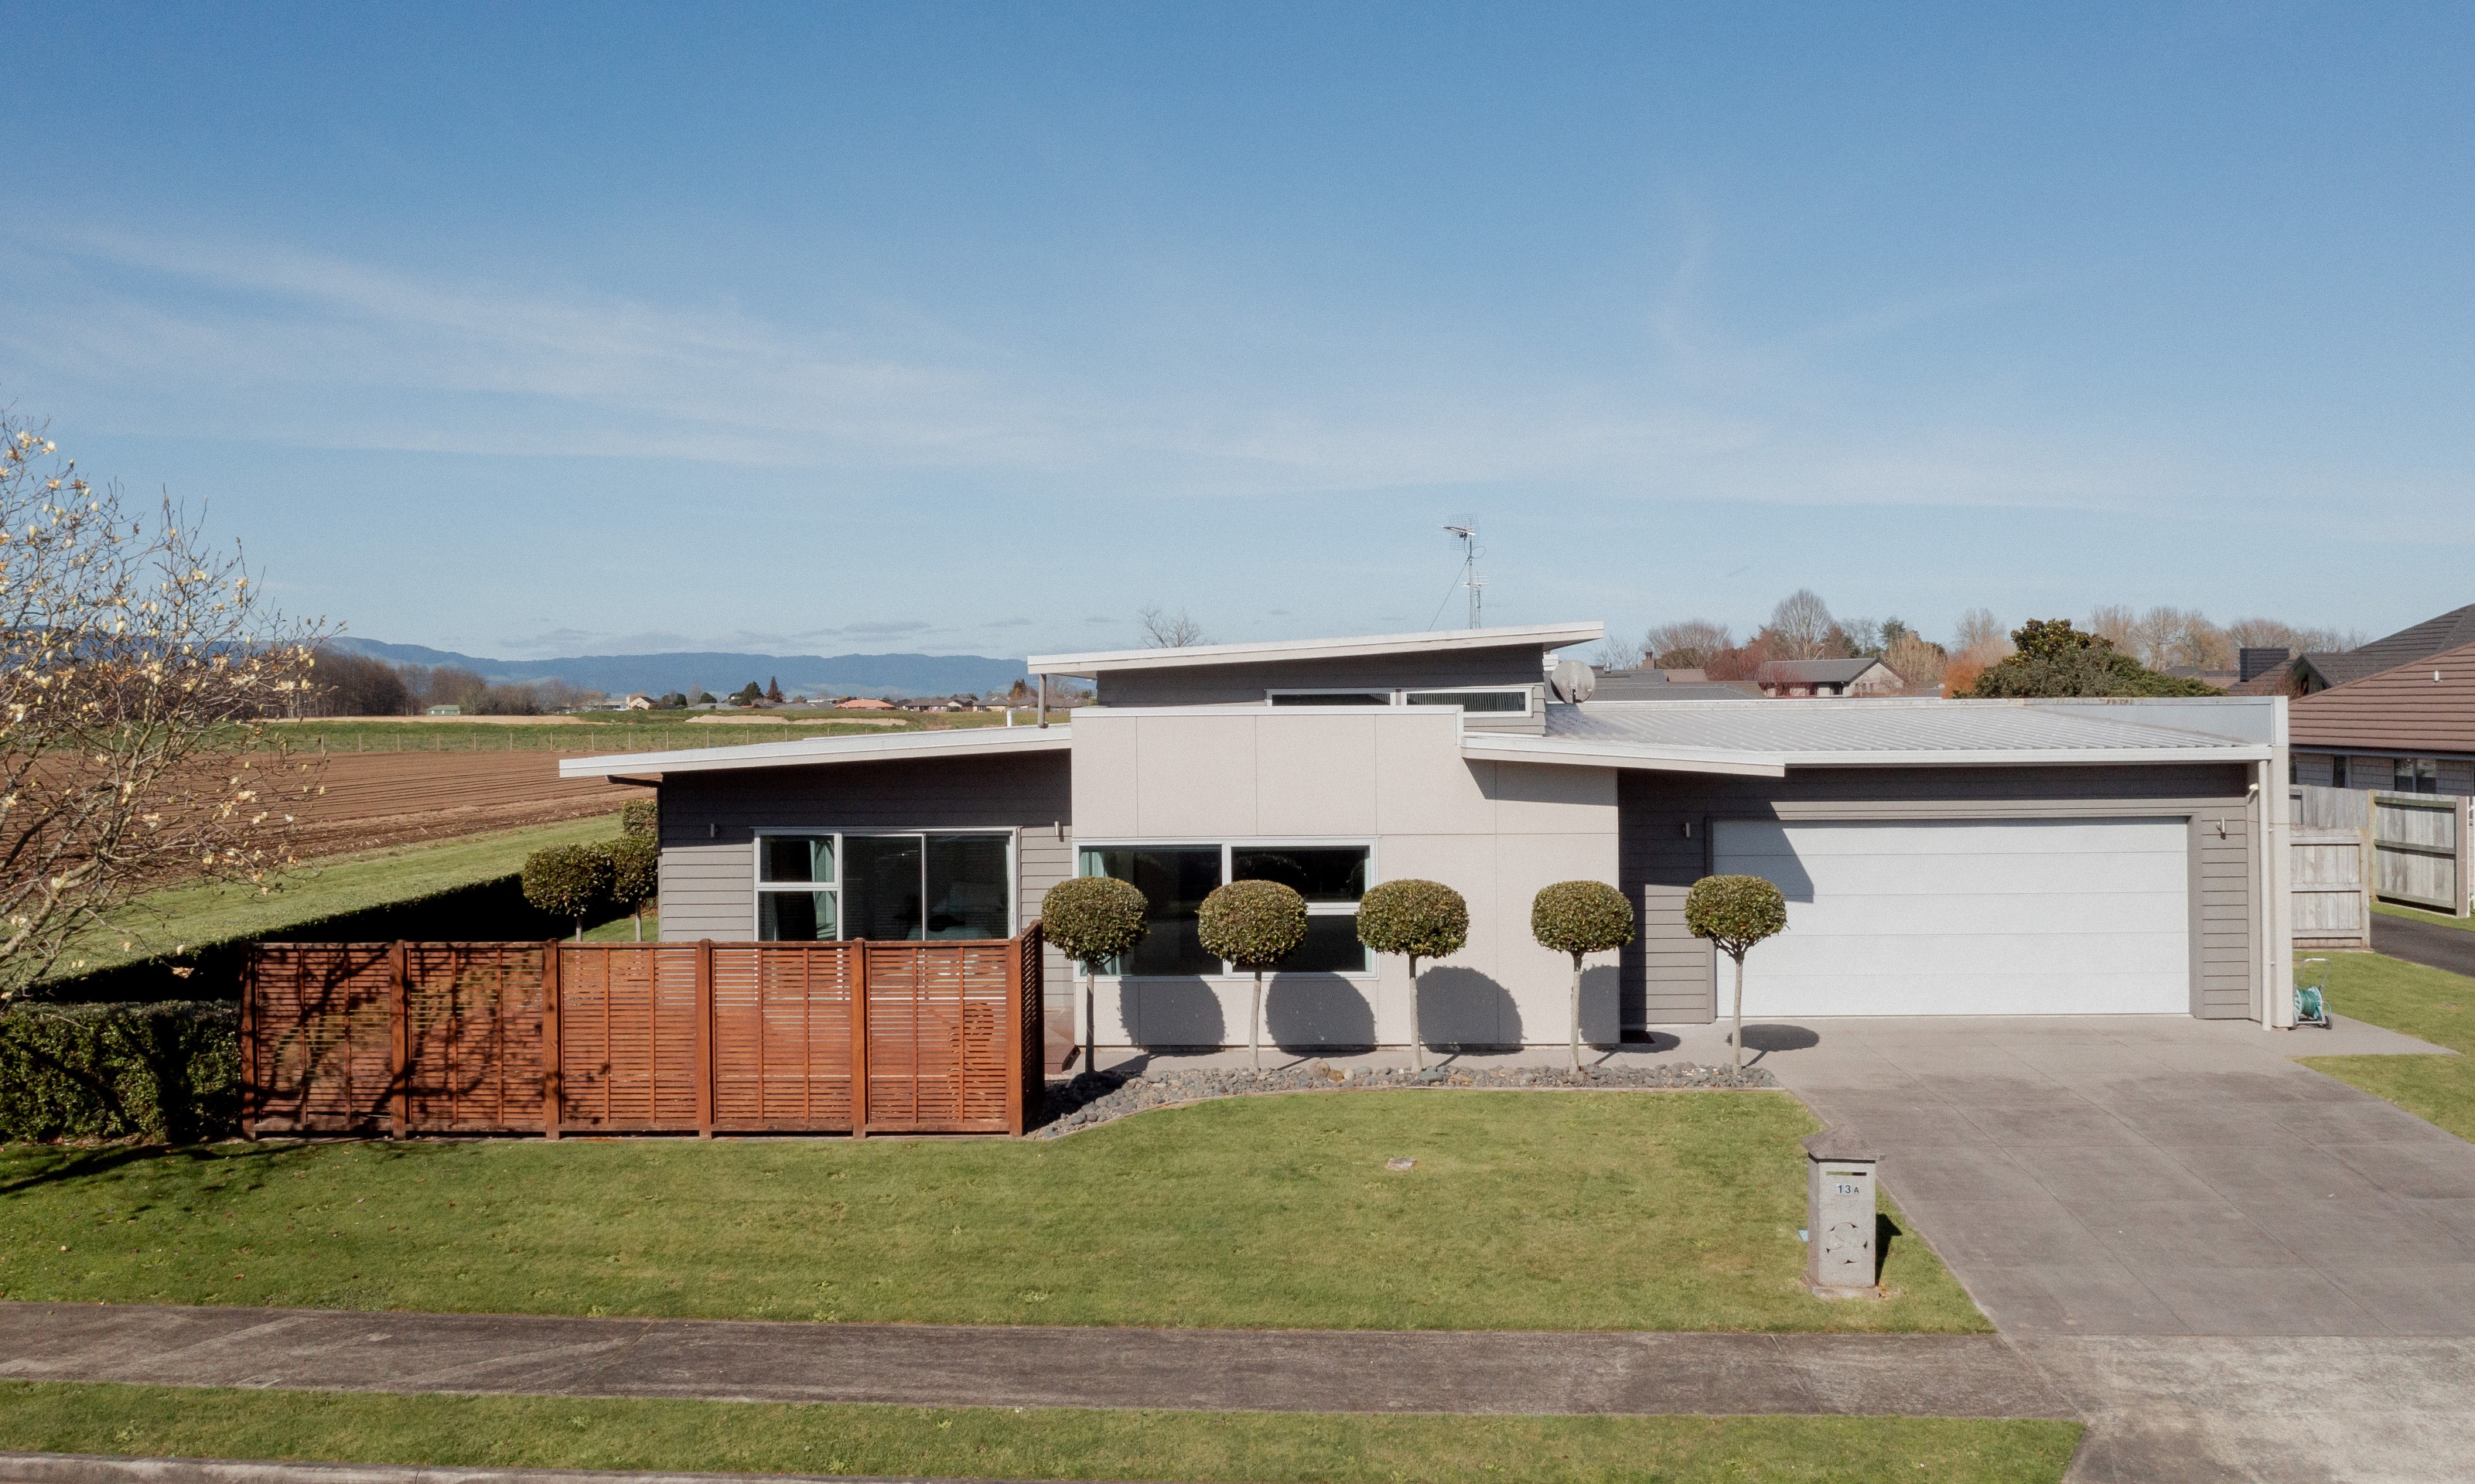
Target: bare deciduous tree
{"x": 1688, "y": 644}
{"x": 1801, "y": 629}
{"x": 1166, "y": 630}
{"x": 2270, "y": 633}
{"x": 2166, "y": 636}
{"x": 2114, "y": 622}
{"x": 1615, "y": 654}
{"x": 1919, "y": 665}
{"x": 137, "y": 665}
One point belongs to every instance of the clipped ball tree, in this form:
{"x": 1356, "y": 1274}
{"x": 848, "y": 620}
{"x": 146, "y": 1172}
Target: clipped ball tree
{"x": 1090, "y": 918}
{"x": 1417, "y": 920}
{"x": 1581, "y": 917}
{"x": 635, "y": 875}
{"x": 1735, "y": 913}
{"x": 1254, "y": 925}
{"x": 568, "y": 881}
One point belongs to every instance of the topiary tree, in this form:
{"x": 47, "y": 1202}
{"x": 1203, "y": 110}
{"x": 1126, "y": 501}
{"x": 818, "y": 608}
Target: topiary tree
{"x": 1090, "y": 918}
{"x": 635, "y": 875}
{"x": 1581, "y": 917}
{"x": 568, "y": 881}
{"x": 1735, "y": 913}
{"x": 1253, "y": 924}
{"x": 1421, "y": 919}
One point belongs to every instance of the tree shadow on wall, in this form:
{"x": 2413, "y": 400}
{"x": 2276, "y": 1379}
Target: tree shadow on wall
{"x": 1463, "y": 1009}
{"x": 1322, "y": 1012}
{"x": 1161, "y": 1013}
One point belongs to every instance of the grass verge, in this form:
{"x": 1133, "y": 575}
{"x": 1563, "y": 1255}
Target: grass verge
{"x": 2418, "y": 915}
{"x": 195, "y": 916}
{"x": 1033, "y": 1444}
{"x": 2428, "y": 1003}
{"x": 1525, "y": 1210}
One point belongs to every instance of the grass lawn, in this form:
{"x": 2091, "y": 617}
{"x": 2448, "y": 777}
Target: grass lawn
{"x": 1003, "y": 1443}
{"x": 2418, "y": 915}
{"x": 622, "y": 930}
{"x": 197, "y": 915}
{"x": 2432, "y": 1004}
{"x": 1545, "y": 1211}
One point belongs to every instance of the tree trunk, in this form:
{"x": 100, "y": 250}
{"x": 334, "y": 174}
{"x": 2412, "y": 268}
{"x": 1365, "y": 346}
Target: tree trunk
{"x": 1417, "y": 1045}
{"x": 640, "y": 923}
{"x": 580, "y": 930}
{"x": 1740, "y": 1012}
{"x": 1576, "y": 1012}
{"x": 1255, "y": 1026}
{"x": 1090, "y": 1020}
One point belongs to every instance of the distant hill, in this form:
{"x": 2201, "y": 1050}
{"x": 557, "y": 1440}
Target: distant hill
{"x": 810, "y": 674}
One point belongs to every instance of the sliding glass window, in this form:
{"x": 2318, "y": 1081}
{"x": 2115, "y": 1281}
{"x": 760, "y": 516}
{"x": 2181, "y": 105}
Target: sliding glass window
{"x": 926, "y": 886}
{"x": 1175, "y": 879}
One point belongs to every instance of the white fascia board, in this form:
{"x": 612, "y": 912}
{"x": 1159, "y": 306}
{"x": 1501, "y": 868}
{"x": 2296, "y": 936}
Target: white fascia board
{"x": 2001, "y": 757}
{"x": 813, "y": 751}
{"x": 1480, "y": 747}
{"x": 1546, "y": 636}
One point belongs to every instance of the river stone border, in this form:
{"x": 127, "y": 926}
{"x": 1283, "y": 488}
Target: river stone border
{"x": 1091, "y": 1099}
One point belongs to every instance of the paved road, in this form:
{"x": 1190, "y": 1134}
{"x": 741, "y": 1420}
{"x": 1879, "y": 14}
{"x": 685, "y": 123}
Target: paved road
{"x": 2428, "y": 944}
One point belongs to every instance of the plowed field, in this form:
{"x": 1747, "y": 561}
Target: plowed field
{"x": 390, "y": 798}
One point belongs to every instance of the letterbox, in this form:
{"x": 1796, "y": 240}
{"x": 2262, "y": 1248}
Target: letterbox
{"x": 1840, "y": 1258}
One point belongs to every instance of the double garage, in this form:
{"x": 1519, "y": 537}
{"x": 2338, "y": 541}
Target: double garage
{"x": 2033, "y": 893}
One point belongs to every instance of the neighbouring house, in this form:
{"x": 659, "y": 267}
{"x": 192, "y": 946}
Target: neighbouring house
{"x": 1826, "y": 677}
{"x": 2410, "y": 728}
{"x": 1939, "y": 857}
{"x": 864, "y": 703}
{"x": 640, "y": 702}
{"x": 444, "y": 711}
{"x": 2281, "y": 671}
{"x": 1669, "y": 685}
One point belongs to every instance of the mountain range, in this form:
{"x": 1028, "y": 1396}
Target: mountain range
{"x": 810, "y": 674}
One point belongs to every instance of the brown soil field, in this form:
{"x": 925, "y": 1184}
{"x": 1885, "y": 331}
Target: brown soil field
{"x": 392, "y": 798}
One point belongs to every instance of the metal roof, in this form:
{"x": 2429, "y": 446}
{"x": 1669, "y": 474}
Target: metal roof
{"x": 807, "y": 751}
{"x": 1865, "y": 732}
{"x": 1543, "y": 635}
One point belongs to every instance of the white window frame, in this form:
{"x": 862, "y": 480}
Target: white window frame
{"x": 1229, "y": 844}
{"x": 756, "y": 868}
{"x": 1522, "y": 691}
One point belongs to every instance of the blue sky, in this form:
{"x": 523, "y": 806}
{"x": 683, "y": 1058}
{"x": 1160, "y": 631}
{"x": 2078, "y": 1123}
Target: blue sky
{"x": 531, "y": 329}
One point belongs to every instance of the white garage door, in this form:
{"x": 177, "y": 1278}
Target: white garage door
{"x": 1966, "y": 917}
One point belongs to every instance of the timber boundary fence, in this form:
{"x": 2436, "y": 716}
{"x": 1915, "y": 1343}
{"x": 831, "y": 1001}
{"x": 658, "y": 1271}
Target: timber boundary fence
{"x": 850, "y": 1037}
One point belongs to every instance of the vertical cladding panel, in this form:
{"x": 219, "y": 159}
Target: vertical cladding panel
{"x": 1668, "y": 974}
{"x": 473, "y": 1036}
{"x": 319, "y": 1013}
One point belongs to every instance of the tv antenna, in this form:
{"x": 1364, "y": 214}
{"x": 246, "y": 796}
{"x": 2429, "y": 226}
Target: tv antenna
{"x": 1467, "y": 530}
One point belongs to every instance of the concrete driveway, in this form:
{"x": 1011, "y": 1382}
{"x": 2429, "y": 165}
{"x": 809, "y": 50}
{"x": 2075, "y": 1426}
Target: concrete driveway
{"x": 2154, "y": 1175}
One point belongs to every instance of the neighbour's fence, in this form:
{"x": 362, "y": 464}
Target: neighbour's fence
{"x": 2330, "y": 882}
{"x": 850, "y": 1037}
{"x": 2420, "y": 846}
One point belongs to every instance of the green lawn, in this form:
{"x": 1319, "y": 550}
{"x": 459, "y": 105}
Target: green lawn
{"x": 2418, "y": 915}
{"x": 622, "y": 930}
{"x": 1005, "y": 1443}
{"x": 192, "y": 916}
{"x": 1546, "y": 1210}
{"x": 2425, "y": 1003}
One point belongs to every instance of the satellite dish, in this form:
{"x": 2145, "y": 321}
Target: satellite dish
{"x": 1572, "y": 681}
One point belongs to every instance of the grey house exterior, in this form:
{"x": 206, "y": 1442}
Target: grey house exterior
{"x": 1939, "y": 857}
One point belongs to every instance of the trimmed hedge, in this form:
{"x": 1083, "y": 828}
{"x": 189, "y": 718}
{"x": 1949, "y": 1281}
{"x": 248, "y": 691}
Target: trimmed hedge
{"x": 1424, "y": 919}
{"x": 167, "y": 1073}
{"x": 641, "y": 816}
{"x": 635, "y": 872}
{"x": 568, "y": 881}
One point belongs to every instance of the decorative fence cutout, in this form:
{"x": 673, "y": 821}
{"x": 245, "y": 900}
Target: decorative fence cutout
{"x": 848, "y": 1037}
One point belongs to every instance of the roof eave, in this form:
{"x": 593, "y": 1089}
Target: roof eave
{"x": 1544, "y": 636}
{"x": 1480, "y": 748}
{"x": 986, "y": 742}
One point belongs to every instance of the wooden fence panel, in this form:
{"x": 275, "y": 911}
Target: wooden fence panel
{"x": 2331, "y": 883}
{"x": 781, "y": 1036}
{"x": 320, "y": 1031}
{"x": 644, "y": 1038}
{"x": 473, "y": 1022}
{"x": 2420, "y": 840}
{"x": 627, "y": 1038}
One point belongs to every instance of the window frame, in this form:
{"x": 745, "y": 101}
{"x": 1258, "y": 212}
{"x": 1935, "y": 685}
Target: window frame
{"x": 1398, "y": 698}
{"x": 1013, "y": 835}
{"x": 1228, "y": 845}
{"x": 1522, "y": 691}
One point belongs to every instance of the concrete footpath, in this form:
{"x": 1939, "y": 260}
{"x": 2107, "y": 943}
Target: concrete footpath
{"x": 2158, "y": 1407}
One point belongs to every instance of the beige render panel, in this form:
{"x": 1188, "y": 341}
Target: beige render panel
{"x": 1551, "y": 799}
{"x": 1423, "y": 784}
{"x": 1540, "y": 979}
{"x": 1195, "y": 776}
{"x": 1314, "y": 775}
{"x": 1105, "y": 753}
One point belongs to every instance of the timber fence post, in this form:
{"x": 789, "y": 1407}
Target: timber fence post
{"x": 703, "y": 1052}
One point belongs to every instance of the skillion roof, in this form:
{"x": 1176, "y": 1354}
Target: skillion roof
{"x": 1541, "y": 635}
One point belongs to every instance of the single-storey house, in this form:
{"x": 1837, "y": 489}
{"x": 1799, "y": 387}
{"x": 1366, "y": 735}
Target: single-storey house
{"x": 2278, "y": 671}
{"x": 1939, "y": 857}
{"x": 2410, "y": 728}
{"x": 1827, "y": 678}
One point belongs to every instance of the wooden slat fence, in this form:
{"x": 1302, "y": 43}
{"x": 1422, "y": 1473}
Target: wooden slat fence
{"x": 2330, "y": 882}
{"x": 2423, "y": 845}
{"x": 850, "y": 1037}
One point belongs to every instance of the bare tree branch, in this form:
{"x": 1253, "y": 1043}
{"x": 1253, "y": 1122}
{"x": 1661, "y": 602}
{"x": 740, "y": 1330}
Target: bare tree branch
{"x": 1166, "y": 630}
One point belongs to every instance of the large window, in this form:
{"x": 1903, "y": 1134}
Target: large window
{"x": 931, "y": 885}
{"x": 1176, "y": 878}
{"x": 2415, "y": 775}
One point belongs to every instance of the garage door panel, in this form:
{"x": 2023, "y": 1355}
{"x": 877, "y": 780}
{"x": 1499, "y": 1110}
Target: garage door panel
{"x": 1968, "y": 916}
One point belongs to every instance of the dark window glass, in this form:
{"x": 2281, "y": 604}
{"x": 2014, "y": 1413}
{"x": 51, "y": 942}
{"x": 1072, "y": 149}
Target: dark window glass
{"x": 1174, "y": 879}
{"x": 1332, "y": 948}
{"x": 1473, "y": 700}
{"x": 1337, "y": 698}
{"x": 1319, "y": 874}
{"x": 2337, "y": 773}
{"x": 795, "y": 916}
{"x": 796, "y": 858}
{"x": 881, "y": 886}
{"x": 967, "y": 887}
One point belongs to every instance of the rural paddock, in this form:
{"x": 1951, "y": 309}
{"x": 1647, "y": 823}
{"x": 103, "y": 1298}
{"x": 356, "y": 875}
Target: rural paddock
{"x": 377, "y": 799}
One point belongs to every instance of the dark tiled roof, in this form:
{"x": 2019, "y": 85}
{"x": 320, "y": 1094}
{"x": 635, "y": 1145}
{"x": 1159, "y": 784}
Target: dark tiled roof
{"x": 2403, "y": 707}
{"x": 1655, "y": 684}
{"x": 2451, "y": 630}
